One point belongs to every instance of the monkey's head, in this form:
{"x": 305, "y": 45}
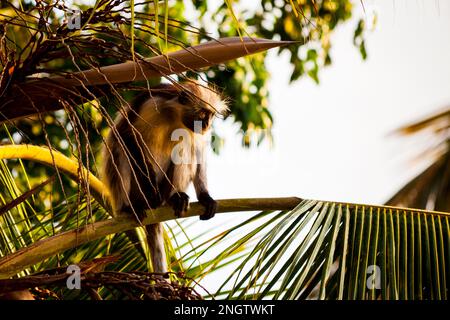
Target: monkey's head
{"x": 200, "y": 104}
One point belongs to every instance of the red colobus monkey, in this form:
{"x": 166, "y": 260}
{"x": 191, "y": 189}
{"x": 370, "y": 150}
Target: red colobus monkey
{"x": 144, "y": 164}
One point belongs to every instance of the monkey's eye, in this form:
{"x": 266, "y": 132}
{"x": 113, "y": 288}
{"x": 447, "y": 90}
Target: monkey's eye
{"x": 183, "y": 98}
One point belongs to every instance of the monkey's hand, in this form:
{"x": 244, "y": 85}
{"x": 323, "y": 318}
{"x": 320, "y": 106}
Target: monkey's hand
{"x": 210, "y": 205}
{"x": 155, "y": 200}
{"x": 179, "y": 201}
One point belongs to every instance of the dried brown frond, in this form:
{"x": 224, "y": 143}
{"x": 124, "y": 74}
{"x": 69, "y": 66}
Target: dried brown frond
{"x": 122, "y": 285}
{"x": 431, "y": 188}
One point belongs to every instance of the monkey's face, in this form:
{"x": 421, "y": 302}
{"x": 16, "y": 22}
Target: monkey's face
{"x": 195, "y": 116}
{"x": 198, "y": 119}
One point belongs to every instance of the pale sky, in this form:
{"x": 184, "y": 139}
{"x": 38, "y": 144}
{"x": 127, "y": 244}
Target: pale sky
{"x": 331, "y": 141}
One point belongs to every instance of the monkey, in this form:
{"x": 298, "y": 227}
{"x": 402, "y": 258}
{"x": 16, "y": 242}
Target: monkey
{"x": 144, "y": 164}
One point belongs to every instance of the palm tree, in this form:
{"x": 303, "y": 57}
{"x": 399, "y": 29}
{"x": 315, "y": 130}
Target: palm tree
{"x": 431, "y": 188}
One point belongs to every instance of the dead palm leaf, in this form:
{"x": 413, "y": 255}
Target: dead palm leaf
{"x": 44, "y": 94}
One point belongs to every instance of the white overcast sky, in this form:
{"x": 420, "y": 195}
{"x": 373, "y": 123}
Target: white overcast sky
{"x": 331, "y": 141}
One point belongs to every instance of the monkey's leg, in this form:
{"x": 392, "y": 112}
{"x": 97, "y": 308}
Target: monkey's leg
{"x": 149, "y": 190}
{"x": 169, "y": 187}
{"x": 144, "y": 192}
{"x": 155, "y": 233}
{"x": 143, "y": 195}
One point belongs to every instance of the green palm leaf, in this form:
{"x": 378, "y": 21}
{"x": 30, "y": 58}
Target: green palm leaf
{"x": 293, "y": 249}
{"x": 327, "y": 250}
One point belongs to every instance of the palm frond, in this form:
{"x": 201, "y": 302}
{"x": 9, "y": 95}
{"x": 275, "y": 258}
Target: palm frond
{"x": 23, "y": 197}
{"x": 318, "y": 249}
{"x": 328, "y": 250}
{"x": 431, "y": 188}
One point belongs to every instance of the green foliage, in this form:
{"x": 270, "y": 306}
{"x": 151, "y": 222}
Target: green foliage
{"x": 155, "y": 28}
{"x": 326, "y": 250}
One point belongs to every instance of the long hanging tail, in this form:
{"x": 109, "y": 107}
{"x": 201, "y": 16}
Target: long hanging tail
{"x": 155, "y": 240}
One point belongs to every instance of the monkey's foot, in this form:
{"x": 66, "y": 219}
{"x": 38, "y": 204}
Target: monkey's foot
{"x": 210, "y": 205}
{"x": 179, "y": 202}
{"x": 138, "y": 213}
{"x": 155, "y": 201}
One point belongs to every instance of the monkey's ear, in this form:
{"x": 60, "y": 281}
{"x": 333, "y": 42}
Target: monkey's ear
{"x": 183, "y": 98}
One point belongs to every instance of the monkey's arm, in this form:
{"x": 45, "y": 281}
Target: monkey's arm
{"x": 203, "y": 196}
{"x": 171, "y": 188}
{"x": 144, "y": 193}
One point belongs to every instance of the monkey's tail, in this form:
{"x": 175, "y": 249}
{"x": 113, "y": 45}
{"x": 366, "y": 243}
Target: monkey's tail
{"x": 155, "y": 240}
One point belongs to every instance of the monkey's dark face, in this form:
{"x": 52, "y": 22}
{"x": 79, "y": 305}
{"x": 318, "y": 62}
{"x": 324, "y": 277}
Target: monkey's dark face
{"x": 203, "y": 116}
{"x": 194, "y": 113}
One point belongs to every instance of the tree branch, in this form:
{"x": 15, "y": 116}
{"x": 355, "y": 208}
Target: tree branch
{"x": 44, "y": 95}
{"x": 57, "y": 160}
{"x": 43, "y": 249}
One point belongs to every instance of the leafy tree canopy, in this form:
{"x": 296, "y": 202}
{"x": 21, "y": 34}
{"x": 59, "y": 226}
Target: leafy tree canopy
{"x": 39, "y": 41}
